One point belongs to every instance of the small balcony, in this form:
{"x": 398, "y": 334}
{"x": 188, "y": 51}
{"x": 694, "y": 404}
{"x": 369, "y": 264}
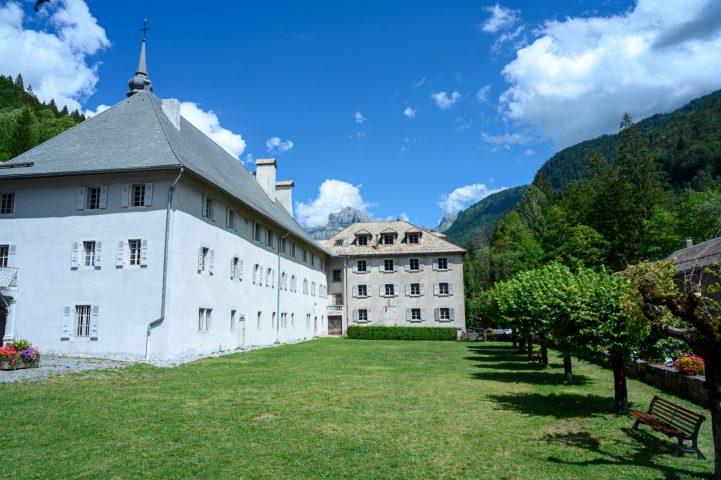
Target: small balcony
{"x": 334, "y": 310}
{"x": 8, "y": 277}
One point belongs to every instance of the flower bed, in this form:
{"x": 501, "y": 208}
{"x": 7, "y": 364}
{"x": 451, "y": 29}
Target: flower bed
{"x": 690, "y": 365}
{"x": 20, "y": 354}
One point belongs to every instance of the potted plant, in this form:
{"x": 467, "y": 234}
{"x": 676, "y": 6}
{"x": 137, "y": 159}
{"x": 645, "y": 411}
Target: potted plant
{"x": 690, "y": 364}
{"x": 19, "y": 354}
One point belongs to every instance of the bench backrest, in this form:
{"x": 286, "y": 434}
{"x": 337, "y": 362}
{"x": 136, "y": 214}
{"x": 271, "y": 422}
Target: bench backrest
{"x": 683, "y": 419}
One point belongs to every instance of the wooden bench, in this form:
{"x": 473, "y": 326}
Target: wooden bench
{"x": 673, "y": 421}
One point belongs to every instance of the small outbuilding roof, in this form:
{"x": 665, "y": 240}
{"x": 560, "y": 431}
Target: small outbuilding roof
{"x": 697, "y": 256}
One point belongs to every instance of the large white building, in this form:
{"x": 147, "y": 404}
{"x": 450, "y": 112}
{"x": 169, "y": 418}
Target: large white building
{"x": 134, "y": 234}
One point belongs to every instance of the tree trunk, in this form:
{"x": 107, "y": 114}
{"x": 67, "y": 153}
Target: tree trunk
{"x": 567, "y": 367}
{"x": 529, "y": 347}
{"x": 713, "y": 382}
{"x": 543, "y": 354}
{"x": 620, "y": 405}
{"x": 521, "y": 343}
{"x": 514, "y": 338}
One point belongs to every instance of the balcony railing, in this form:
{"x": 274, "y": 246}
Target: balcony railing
{"x": 334, "y": 310}
{"x": 8, "y": 277}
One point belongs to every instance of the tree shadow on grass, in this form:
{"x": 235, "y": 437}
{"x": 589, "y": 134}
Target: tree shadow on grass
{"x": 513, "y": 366}
{"x": 645, "y": 447}
{"x": 557, "y": 405}
{"x": 537, "y": 377}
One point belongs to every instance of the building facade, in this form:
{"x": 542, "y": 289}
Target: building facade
{"x": 394, "y": 274}
{"x": 133, "y": 234}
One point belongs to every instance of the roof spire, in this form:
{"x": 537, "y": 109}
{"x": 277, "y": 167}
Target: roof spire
{"x": 140, "y": 80}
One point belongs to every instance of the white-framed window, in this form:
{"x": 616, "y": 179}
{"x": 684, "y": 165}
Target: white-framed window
{"x": 236, "y": 269}
{"x": 131, "y": 252}
{"x": 292, "y": 249}
{"x": 257, "y": 275}
{"x": 86, "y": 254}
{"x": 338, "y": 242}
{"x": 442, "y": 263}
{"x": 135, "y": 249}
{"x": 292, "y": 319}
{"x": 415, "y": 314}
{"x": 246, "y": 226}
{"x": 388, "y": 265}
{"x": 92, "y": 198}
{"x": 7, "y": 203}
{"x": 361, "y": 290}
{"x": 259, "y": 324}
{"x": 445, "y": 314}
{"x": 443, "y": 288}
{"x": 89, "y": 253}
{"x": 414, "y": 264}
{"x": 208, "y": 207}
{"x": 305, "y": 256}
{"x": 307, "y": 320}
{"x": 312, "y": 259}
{"x": 231, "y": 219}
{"x": 293, "y": 284}
{"x": 138, "y": 194}
{"x": 205, "y": 259}
{"x": 272, "y": 321}
{"x": 415, "y": 289}
{"x": 312, "y": 289}
{"x": 388, "y": 290}
{"x": 283, "y": 244}
{"x": 362, "y": 240}
{"x": 269, "y": 237}
{"x": 387, "y": 238}
{"x": 232, "y": 320}
{"x": 337, "y": 275}
{"x": 361, "y": 266}
{"x": 305, "y": 287}
{"x": 81, "y": 327}
{"x": 268, "y": 275}
{"x": 4, "y": 256}
{"x": 257, "y": 229}
{"x": 362, "y": 315}
{"x": 413, "y": 238}
{"x": 204, "y": 319}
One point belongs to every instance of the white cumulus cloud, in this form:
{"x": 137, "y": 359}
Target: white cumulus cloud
{"x": 276, "y": 146}
{"x": 507, "y": 139}
{"x": 482, "y": 93}
{"x": 100, "y": 109}
{"x": 463, "y": 197}
{"x": 359, "y": 118}
{"x": 445, "y": 100}
{"x": 409, "y": 112}
{"x": 208, "y": 123}
{"x": 579, "y": 76}
{"x": 56, "y": 59}
{"x": 333, "y": 195}
{"x": 500, "y": 18}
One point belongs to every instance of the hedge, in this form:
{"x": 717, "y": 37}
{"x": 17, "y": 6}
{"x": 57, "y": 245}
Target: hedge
{"x": 401, "y": 333}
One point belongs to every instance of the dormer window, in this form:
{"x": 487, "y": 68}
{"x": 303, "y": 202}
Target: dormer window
{"x": 362, "y": 241}
{"x": 387, "y": 239}
{"x": 338, "y": 242}
{"x": 413, "y": 238}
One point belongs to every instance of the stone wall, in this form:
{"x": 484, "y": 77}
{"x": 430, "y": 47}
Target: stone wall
{"x": 691, "y": 388}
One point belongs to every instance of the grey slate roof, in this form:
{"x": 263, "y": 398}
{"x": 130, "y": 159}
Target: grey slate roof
{"x": 132, "y": 136}
{"x": 697, "y": 256}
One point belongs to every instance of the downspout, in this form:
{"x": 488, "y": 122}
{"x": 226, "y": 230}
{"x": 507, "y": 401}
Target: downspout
{"x": 277, "y": 292}
{"x": 158, "y": 321}
{"x": 345, "y": 296}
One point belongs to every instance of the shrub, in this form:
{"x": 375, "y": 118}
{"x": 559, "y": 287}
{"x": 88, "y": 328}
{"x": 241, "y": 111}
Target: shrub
{"x": 375, "y": 332}
{"x": 690, "y": 365}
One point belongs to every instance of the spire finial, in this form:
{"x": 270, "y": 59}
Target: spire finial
{"x": 140, "y": 80}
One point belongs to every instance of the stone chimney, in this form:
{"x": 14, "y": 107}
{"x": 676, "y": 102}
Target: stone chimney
{"x": 284, "y": 194}
{"x": 265, "y": 169}
{"x": 689, "y": 242}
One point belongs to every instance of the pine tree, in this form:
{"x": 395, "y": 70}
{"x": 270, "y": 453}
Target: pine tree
{"x": 19, "y": 82}
{"x": 21, "y": 134}
{"x": 30, "y": 91}
{"x": 53, "y": 107}
{"x": 64, "y": 112}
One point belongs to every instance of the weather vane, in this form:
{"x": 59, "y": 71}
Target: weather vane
{"x": 145, "y": 28}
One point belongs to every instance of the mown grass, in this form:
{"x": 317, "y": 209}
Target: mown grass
{"x": 337, "y": 408}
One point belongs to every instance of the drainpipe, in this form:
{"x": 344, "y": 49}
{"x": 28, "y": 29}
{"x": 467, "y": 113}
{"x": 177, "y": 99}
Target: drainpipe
{"x": 157, "y": 322}
{"x": 345, "y": 296}
{"x": 277, "y": 292}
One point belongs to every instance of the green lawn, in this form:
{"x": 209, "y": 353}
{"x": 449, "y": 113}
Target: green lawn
{"x": 336, "y": 408}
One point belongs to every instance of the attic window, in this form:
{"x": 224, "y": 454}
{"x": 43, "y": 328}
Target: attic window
{"x": 339, "y": 242}
{"x": 413, "y": 238}
{"x": 362, "y": 240}
{"x": 387, "y": 238}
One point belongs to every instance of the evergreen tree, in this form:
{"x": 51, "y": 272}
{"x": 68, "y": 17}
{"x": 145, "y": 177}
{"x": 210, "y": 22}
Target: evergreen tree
{"x": 20, "y": 139}
{"x": 31, "y": 92}
{"x": 53, "y": 107}
{"x": 64, "y": 112}
{"x": 19, "y": 82}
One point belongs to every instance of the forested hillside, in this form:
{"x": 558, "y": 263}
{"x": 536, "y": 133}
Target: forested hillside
{"x": 475, "y": 224}
{"x": 25, "y": 121}
{"x": 686, "y": 143}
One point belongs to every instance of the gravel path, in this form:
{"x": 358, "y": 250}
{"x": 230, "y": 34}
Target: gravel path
{"x": 54, "y": 365}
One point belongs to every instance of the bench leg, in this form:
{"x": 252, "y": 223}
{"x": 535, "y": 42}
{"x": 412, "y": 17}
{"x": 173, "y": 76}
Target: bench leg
{"x": 635, "y": 426}
{"x": 679, "y": 449}
{"x": 694, "y": 445}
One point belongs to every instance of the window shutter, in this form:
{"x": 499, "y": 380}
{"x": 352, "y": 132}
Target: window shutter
{"x": 423, "y": 314}
{"x": 355, "y": 267}
{"x": 396, "y": 289}
{"x": 202, "y": 206}
{"x": 98, "y": 254}
{"x": 450, "y": 289}
{"x": 76, "y": 253}
{"x": 395, "y": 264}
{"x": 213, "y": 209}
{"x": 369, "y": 291}
{"x": 148, "y": 194}
{"x": 355, "y": 290}
{"x": 408, "y": 265}
{"x": 436, "y": 289}
{"x": 452, "y": 314}
{"x": 232, "y": 268}
{"x": 11, "y": 256}
{"x": 420, "y": 264}
{"x": 227, "y": 217}
{"x": 66, "y": 325}
{"x": 103, "y": 196}
{"x": 82, "y": 191}
{"x": 120, "y": 258}
{"x": 239, "y": 274}
{"x": 200, "y": 259}
{"x": 435, "y": 264}
{"x": 423, "y": 289}
{"x": 450, "y": 263}
{"x": 368, "y": 313}
{"x": 437, "y": 313}
{"x": 381, "y": 290}
{"x": 381, "y": 265}
{"x": 408, "y": 314}
{"x": 408, "y": 289}
{"x": 210, "y": 261}
{"x": 144, "y": 252}
{"x": 94, "y": 319}
{"x": 355, "y": 315}
{"x": 125, "y": 196}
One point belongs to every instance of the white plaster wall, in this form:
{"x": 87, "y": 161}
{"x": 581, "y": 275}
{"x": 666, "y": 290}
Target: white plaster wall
{"x": 189, "y": 290}
{"x": 44, "y": 226}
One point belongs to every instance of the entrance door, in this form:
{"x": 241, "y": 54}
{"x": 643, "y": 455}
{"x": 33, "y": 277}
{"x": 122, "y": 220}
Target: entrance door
{"x": 335, "y": 325}
{"x": 389, "y": 316}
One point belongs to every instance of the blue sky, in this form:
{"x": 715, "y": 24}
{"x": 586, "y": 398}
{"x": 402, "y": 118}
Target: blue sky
{"x": 411, "y": 108}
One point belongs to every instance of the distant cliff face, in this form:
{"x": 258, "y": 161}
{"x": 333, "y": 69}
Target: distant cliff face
{"x": 338, "y": 221}
{"x": 447, "y": 221}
